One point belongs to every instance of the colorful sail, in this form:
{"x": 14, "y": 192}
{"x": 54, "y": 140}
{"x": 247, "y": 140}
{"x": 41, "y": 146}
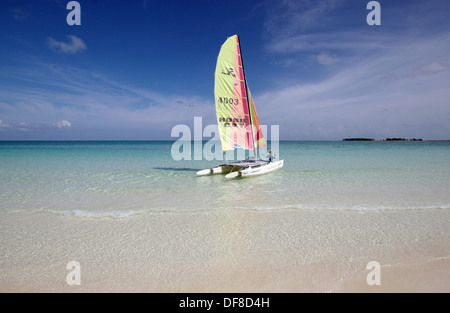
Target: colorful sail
{"x": 258, "y": 136}
{"x": 235, "y": 113}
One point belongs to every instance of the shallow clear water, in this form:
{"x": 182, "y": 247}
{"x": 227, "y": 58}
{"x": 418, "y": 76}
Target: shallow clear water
{"x": 124, "y": 178}
{"x": 318, "y": 221}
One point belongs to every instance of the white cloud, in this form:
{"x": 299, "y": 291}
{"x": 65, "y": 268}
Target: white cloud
{"x": 62, "y": 124}
{"x": 326, "y": 59}
{"x": 4, "y": 125}
{"x": 24, "y": 126}
{"x": 431, "y": 68}
{"x": 75, "y": 45}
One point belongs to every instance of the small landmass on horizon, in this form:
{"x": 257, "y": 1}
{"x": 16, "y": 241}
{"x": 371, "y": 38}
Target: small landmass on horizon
{"x": 387, "y": 139}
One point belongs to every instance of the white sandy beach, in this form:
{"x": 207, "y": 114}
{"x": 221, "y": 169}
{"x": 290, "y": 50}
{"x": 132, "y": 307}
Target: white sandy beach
{"x": 227, "y": 251}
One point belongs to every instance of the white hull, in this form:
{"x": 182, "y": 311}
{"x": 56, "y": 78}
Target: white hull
{"x": 221, "y": 169}
{"x": 262, "y": 169}
{"x": 243, "y": 168}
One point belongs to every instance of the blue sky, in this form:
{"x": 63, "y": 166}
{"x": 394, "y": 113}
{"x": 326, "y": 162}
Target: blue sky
{"x": 134, "y": 69}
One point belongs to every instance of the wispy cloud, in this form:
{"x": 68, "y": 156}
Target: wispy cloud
{"x": 75, "y": 45}
{"x": 386, "y": 81}
{"x": 20, "y": 14}
{"x": 289, "y": 17}
{"x": 340, "y": 40}
{"x": 82, "y": 100}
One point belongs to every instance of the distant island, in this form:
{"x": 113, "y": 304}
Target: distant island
{"x": 358, "y": 139}
{"x": 402, "y": 139}
{"x": 387, "y": 139}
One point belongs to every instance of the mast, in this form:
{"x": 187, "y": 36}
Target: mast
{"x": 248, "y": 101}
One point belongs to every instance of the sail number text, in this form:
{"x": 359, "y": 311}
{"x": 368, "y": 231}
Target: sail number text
{"x": 225, "y": 100}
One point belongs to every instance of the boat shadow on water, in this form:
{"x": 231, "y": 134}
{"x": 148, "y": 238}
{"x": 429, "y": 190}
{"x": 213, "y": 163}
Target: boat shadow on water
{"x": 176, "y": 169}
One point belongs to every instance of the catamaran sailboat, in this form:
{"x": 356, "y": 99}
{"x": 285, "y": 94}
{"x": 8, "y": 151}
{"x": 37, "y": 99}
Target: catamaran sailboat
{"x": 236, "y": 116}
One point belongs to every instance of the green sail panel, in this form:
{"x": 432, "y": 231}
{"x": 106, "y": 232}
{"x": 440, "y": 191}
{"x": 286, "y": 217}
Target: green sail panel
{"x": 231, "y": 98}
{"x": 234, "y": 114}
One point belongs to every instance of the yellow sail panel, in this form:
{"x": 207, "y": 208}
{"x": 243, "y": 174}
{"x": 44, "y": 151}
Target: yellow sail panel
{"x": 231, "y": 98}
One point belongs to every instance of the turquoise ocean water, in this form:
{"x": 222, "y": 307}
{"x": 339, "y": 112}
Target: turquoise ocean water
{"x": 120, "y": 179}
